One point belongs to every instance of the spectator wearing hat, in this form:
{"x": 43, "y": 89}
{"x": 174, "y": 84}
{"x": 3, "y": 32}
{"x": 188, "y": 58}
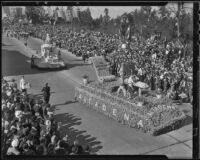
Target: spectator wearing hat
{"x": 14, "y": 84}
{"x": 60, "y": 150}
{"x": 46, "y": 93}
{"x": 27, "y": 150}
{"x": 51, "y": 150}
{"x": 13, "y": 150}
{"x": 76, "y": 148}
{"x": 87, "y": 150}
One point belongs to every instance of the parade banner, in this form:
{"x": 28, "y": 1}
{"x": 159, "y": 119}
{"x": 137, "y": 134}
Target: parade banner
{"x": 157, "y": 120}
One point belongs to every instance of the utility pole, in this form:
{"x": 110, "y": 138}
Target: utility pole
{"x": 178, "y": 21}
{"x": 70, "y": 10}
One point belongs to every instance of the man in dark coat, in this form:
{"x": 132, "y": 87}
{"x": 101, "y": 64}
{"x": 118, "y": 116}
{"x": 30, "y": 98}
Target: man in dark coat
{"x": 46, "y": 93}
{"x": 76, "y": 148}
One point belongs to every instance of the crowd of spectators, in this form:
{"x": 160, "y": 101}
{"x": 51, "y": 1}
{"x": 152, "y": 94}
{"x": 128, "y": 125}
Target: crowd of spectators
{"x": 161, "y": 64}
{"x": 29, "y": 126}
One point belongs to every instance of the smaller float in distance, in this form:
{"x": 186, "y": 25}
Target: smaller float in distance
{"x": 48, "y": 58}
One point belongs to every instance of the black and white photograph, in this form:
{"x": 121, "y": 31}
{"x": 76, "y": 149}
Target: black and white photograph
{"x": 97, "y": 80}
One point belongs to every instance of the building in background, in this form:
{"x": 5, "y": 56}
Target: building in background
{"x": 13, "y": 11}
{"x": 17, "y": 11}
{"x": 6, "y": 10}
{"x": 49, "y": 11}
{"x": 68, "y": 14}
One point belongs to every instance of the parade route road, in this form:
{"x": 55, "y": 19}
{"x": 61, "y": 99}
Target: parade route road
{"x": 103, "y": 135}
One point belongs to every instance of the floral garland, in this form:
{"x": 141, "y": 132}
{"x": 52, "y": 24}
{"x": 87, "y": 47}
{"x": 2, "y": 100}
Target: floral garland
{"x": 158, "y": 118}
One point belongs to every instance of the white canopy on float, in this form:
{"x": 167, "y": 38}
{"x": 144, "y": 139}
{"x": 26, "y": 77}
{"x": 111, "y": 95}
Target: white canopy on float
{"x": 46, "y": 46}
{"x": 45, "y": 49}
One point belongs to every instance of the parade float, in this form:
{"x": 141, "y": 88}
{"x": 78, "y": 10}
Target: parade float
{"x": 144, "y": 111}
{"x": 48, "y": 58}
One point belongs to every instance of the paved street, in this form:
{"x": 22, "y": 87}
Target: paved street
{"x": 105, "y": 136}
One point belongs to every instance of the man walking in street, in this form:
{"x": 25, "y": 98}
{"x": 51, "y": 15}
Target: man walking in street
{"x": 46, "y": 93}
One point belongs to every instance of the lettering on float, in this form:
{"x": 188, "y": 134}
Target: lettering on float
{"x": 126, "y": 117}
{"x": 96, "y": 104}
{"x": 140, "y": 124}
{"x": 104, "y": 107}
{"x": 85, "y": 100}
{"x": 114, "y": 112}
{"x": 80, "y": 96}
{"x": 90, "y": 100}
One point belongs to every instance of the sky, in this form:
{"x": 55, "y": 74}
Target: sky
{"x": 115, "y": 11}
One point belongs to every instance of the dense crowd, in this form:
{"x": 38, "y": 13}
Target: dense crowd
{"x": 161, "y": 64}
{"x": 29, "y": 126}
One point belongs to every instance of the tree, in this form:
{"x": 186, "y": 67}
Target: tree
{"x": 85, "y": 17}
{"x": 106, "y": 11}
{"x": 34, "y": 13}
{"x": 78, "y": 13}
{"x": 96, "y": 22}
{"x": 106, "y": 17}
{"x": 163, "y": 12}
{"x": 101, "y": 19}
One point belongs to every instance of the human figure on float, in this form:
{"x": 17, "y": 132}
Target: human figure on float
{"x": 125, "y": 32}
{"x": 45, "y": 49}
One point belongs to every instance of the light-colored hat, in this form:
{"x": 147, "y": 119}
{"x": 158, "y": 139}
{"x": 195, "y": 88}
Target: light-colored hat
{"x": 53, "y": 138}
{"x": 37, "y": 114}
{"x": 3, "y": 106}
{"x": 12, "y": 127}
{"x": 15, "y": 143}
{"x": 5, "y": 131}
{"x": 123, "y": 46}
{"x": 48, "y": 122}
{"x": 50, "y": 113}
{"x": 18, "y": 114}
{"x": 65, "y": 138}
{"x": 6, "y": 123}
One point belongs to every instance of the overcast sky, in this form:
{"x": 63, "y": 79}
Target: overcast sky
{"x": 115, "y": 11}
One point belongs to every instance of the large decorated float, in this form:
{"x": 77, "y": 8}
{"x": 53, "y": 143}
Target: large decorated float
{"x": 48, "y": 58}
{"x": 152, "y": 113}
{"x": 145, "y": 111}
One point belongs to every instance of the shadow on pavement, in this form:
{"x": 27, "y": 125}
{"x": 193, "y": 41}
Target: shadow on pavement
{"x": 15, "y": 63}
{"x": 3, "y": 44}
{"x": 40, "y": 96}
{"x": 188, "y": 120}
{"x": 37, "y": 97}
{"x": 72, "y": 65}
{"x": 67, "y": 102}
{"x": 68, "y": 121}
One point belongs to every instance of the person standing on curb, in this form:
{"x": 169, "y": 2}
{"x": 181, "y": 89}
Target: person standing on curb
{"x": 22, "y": 85}
{"x": 46, "y": 93}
